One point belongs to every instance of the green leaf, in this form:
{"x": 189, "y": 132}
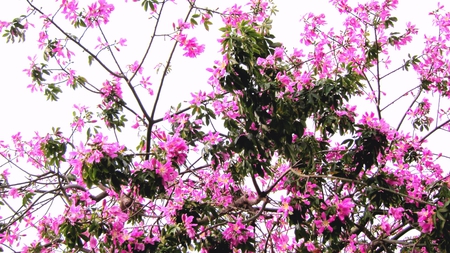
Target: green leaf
{"x": 440, "y": 217}
{"x": 193, "y": 22}
{"x": 27, "y": 198}
{"x": 90, "y": 59}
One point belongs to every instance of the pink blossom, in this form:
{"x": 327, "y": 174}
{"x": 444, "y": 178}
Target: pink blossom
{"x": 78, "y": 123}
{"x": 43, "y": 38}
{"x": 5, "y": 173}
{"x": 175, "y": 148}
{"x": 98, "y": 14}
{"x": 95, "y": 157}
{"x": 237, "y": 233}
{"x": 344, "y": 208}
{"x": 182, "y": 25}
{"x": 122, "y": 42}
{"x": 187, "y": 221}
{"x": 285, "y": 207}
{"x": 425, "y": 219}
{"x": 324, "y": 223}
{"x": 166, "y": 171}
{"x": 310, "y": 246}
{"x": 198, "y": 98}
{"x": 279, "y": 53}
{"x": 93, "y": 242}
{"x": 70, "y": 9}
{"x": 135, "y": 67}
{"x": 75, "y": 213}
{"x": 192, "y": 48}
{"x": 282, "y": 243}
{"x": 212, "y": 138}
{"x": 397, "y": 213}
{"x": 385, "y": 226}
{"x": 3, "y": 24}
{"x": 13, "y": 192}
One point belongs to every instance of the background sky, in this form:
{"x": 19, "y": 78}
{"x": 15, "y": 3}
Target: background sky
{"x": 25, "y": 108}
{"x": 28, "y": 112}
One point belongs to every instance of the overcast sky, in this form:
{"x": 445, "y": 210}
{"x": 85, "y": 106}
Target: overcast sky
{"x": 27, "y": 112}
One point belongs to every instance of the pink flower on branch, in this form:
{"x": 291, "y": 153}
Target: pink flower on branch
{"x": 98, "y": 14}
{"x": 122, "y": 42}
{"x": 175, "y": 149}
{"x": 285, "y": 207}
{"x": 425, "y": 219}
{"x": 190, "y": 46}
{"x": 187, "y": 221}
{"x": 3, "y": 24}
{"x": 135, "y": 67}
{"x": 237, "y": 233}
{"x": 13, "y": 192}
{"x": 397, "y": 213}
{"x": 344, "y": 208}
{"x": 323, "y": 223}
{"x": 70, "y": 9}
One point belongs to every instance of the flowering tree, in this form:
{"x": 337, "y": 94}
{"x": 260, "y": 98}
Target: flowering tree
{"x": 289, "y": 150}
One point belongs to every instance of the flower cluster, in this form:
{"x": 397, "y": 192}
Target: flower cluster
{"x": 237, "y": 233}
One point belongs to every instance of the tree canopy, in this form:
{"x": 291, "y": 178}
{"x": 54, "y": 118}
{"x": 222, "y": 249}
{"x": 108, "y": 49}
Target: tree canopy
{"x": 285, "y": 150}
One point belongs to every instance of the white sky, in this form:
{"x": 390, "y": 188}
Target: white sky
{"x": 31, "y": 112}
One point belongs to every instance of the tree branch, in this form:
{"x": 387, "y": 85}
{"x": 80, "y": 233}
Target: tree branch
{"x": 76, "y": 42}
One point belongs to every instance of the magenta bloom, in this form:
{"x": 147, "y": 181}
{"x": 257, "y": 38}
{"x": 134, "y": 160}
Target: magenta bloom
{"x": 237, "y": 233}
{"x": 426, "y": 219}
{"x": 285, "y": 207}
{"x": 187, "y": 220}
{"x": 397, "y": 213}
{"x": 175, "y": 148}
{"x": 324, "y": 223}
{"x": 344, "y": 208}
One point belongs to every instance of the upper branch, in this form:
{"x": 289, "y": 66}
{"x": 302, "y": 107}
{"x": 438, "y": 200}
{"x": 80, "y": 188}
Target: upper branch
{"x": 76, "y": 42}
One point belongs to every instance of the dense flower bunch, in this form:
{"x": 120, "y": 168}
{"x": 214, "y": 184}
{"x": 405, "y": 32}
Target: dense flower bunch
{"x": 279, "y": 155}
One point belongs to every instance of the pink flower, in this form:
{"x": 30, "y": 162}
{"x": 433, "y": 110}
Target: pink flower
{"x": 95, "y": 157}
{"x": 135, "y": 68}
{"x": 192, "y": 48}
{"x": 182, "y": 25}
{"x": 368, "y": 119}
{"x": 93, "y": 242}
{"x": 212, "y": 138}
{"x": 187, "y": 220}
{"x": 344, "y": 208}
{"x": 70, "y": 9}
{"x": 279, "y": 53}
{"x": 14, "y": 193}
{"x": 5, "y": 173}
{"x": 166, "y": 172}
{"x": 78, "y": 123}
{"x": 122, "y": 42}
{"x": 310, "y": 246}
{"x": 75, "y": 213}
{"x": 426, "y": 219}
{"x": 198, "y": 98}
{"x": 282, "y": 243}
{"x": 397, "y": 213}
{"x": 324, "y": 223}
{"x": 385, "y": 226}
{"x": 285, "y": 207}
{"x": 97, "y": 15}
{"x": 237, "y": 233}
{"x": 3, "y": 24}
{"x": 175, "y": 148}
